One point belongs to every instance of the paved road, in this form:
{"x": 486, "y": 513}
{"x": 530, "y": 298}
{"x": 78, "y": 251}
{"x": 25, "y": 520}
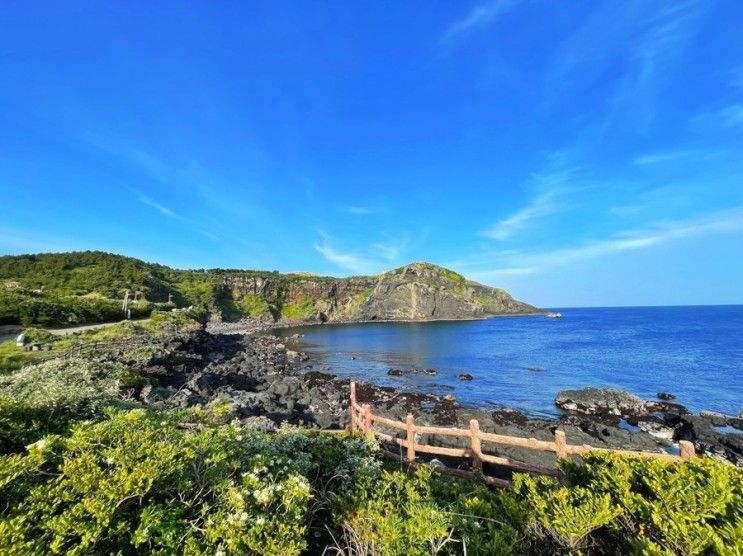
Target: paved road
{"x": 9, "y": 332}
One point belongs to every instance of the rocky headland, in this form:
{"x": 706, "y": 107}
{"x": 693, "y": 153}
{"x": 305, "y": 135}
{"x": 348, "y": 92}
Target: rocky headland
{"x": 418, "y": 291}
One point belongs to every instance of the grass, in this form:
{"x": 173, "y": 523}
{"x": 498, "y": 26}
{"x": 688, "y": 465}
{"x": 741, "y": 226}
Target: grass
{"x": 12, "y": 357}
{"x": 302, "y": 309}
{"x": 253, "y": 305}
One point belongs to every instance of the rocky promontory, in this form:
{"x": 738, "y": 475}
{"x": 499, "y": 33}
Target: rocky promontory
{"x": 418, "y": 291}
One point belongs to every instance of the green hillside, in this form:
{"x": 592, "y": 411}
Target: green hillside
{"x": 88, "y": 287}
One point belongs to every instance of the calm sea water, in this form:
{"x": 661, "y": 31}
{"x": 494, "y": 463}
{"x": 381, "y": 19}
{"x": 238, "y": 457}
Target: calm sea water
{"x": 693, "y": 352}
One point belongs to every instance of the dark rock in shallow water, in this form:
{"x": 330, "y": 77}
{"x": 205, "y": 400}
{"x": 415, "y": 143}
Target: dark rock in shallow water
{"x": 431, "y": 372}
{"x": 666, "y": 396}
{"x": 395, "y": 372}
{"x": 507, "y": 416}
{"x": 535, "y": 369}
{"x": 465, "y": 376}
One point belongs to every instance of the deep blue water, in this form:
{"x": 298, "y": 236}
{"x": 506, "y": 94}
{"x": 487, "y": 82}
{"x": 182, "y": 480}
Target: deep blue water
{"x": 693, "y": 352}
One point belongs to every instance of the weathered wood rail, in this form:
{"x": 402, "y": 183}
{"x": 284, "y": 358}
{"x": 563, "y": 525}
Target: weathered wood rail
{"x": 362, "y": 419}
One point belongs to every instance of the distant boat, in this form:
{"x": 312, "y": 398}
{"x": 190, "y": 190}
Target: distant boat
{"x": 554, "y": 315}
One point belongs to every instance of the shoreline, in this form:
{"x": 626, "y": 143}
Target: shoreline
{"x": 269, "y": 380}
{"x": 251, "y": 326}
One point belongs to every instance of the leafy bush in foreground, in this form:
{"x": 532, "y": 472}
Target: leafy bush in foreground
{"x": 621, "y": 505}
{"x": 165, "y": 483}
{"x": 137, "y": 482}
{"x": 46, "y": 397}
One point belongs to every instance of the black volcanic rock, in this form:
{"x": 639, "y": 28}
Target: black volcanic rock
{"x": 601, "y": 401}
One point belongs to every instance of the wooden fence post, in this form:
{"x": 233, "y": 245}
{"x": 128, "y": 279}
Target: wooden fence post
{"x": 353, "y": 402}
{"x": 410, "y": 428}
{"x": 686, "y": 449}
{"x": 561, "y": 450}
{"x": 476, "y": 446}
{"x": 367, "y": 422}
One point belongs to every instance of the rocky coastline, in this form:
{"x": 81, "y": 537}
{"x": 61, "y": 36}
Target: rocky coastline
{"x": 268, "y": 381}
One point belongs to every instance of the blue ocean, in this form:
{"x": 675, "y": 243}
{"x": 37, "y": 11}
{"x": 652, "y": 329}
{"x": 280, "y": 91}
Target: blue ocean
{"x": 695, "y": 353}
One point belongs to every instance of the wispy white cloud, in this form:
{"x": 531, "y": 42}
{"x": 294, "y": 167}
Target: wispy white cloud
{"x": 146, "y": 161}
{"x": 732, "y": 116}
{"x": 360, "y": 210}
{"x": 18, "y": 241}
{"x": 498, "y": 273}
{"x": 652, "y": 234}
{"x": 372, "y": 258}
{"x": 660, "y": 232}
{"x": 670, "y": 156}
{"x": 170, "y": 213}
{"x": 505, "y": 229}
{"x": 646, "y": 43}
{"x": 736, "y": 78}
{"x": 652, "y": 54}
{"x": 388, "y": 251}
{"x": 144, "y": 199}
{"x": 348, "y": 260}
{"x": 549, "y": 187}
{"x": 480, "y": 16}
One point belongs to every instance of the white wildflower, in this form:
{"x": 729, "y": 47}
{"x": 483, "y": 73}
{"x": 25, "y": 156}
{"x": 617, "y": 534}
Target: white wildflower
{"x": 38, "y": 445}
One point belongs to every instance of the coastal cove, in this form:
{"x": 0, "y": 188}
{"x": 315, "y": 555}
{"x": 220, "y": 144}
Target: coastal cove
{"x": 695, "y": 353}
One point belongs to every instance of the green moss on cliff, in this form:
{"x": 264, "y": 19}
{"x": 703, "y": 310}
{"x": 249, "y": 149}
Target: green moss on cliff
{"x": 304, "y": 308}
{"x": 253, "y": 305}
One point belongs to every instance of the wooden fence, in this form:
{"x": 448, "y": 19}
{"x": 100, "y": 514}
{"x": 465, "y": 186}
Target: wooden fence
{"x": 362, "y": 419}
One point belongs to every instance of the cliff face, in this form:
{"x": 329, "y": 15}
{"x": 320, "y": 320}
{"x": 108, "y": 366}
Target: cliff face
{"x": 419, "y": 291}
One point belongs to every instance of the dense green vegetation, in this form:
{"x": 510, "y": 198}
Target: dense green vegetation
{"x": 181, "y": 483}
{"x": 86, "y": 470}
{"x": 12, "y": 357}
{"x": 88, "y": 287}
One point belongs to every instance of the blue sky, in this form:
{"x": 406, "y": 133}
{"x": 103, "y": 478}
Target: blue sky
{"x": 575, "y": 153}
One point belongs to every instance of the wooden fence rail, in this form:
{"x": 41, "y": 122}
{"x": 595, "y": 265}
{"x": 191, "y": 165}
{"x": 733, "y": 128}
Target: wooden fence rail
{"x": 362, "y": 419}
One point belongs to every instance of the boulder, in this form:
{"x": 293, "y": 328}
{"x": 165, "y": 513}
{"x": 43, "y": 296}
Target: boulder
{"x": 665, "y": 396}
{"x": 657, "y": 430}
{"x": 261, "y": 423}
{"x": 601, "y": 401}
{"x": 465, "y": 376}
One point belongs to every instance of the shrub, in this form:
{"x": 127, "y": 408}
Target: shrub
{"x": 45, "y": 397}
{"x": 394, "y": 515}
{"x": 619, "y": 504}
{"x": 12, "y": 357}
{"x": 139, "y": 482}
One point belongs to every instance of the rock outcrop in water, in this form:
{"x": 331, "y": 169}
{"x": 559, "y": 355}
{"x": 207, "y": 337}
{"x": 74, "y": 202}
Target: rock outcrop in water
{"x": 713, "y": 434}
